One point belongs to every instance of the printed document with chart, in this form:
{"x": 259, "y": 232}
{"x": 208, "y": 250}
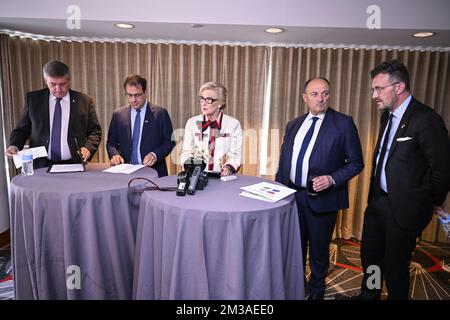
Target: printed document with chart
{"x": 266, "y": 191}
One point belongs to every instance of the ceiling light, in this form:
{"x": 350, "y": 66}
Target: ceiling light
{"x": 124, "y": 25}
{"x": 423, "y": 34}
{"x": 196, "y": 25}
{"x": 274, "y": 30}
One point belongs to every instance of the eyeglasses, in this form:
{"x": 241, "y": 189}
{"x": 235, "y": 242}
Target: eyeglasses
{"x": 207, "y": 99}
{"x": 379, "y": 89}
{"x": 136, "y": 95}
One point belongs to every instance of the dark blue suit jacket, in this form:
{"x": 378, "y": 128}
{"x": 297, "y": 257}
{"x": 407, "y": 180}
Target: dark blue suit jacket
{"x": 336, "y": 152}
{"x": 156, "y": 135}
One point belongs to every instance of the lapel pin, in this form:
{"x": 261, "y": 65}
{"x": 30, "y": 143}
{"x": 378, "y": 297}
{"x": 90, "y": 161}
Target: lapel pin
{"x": 403, "y": 125}
{"x": 145, "y": 121}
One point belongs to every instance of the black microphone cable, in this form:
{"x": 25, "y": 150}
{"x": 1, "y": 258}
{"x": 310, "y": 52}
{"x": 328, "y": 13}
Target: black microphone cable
{"x": 139, "y": 188}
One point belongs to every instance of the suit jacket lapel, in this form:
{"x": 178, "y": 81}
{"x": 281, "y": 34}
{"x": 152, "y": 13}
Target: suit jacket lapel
{"x": 384, "y": 121}
{"x": 46, "y": 114}
{"x": 127, "y": 122}
{"x": 324, "y": 128}
{"x": 293, "y": 133}
{"x": 72, "y": 114}
{"x": 403, "y": 125}
{"x": 148, "y": 121}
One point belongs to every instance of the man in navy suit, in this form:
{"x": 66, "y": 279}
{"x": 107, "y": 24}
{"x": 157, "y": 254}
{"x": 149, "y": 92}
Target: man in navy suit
{"x": 59, "y": 119}
{"x": 140, "y": 133}
{"x": 321, "y": 150}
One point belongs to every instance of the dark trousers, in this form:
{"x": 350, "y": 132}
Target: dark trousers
{"x": 316, "y": 230}
{"x": 386, "y": 245}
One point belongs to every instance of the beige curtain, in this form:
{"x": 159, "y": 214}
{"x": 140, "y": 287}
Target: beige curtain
{"x": 176, "y": 71}
{"x": 348, "y": 71}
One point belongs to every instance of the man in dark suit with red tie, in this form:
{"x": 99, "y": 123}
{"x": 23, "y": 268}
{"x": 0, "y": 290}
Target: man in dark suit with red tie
{"x": 410, "y": 178}
{"x": 321, "y": 146}
{"x": 141, "y": 132}
{"x": 58, "y": 118}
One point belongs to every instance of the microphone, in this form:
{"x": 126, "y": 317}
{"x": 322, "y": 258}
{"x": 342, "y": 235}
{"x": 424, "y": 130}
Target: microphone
{"x": 194, "y": 180}
{"x": 183, "y": 183}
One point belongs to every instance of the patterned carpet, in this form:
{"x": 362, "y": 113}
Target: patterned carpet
{"x": 430, "y": 271}
{"x": 6, "y": 282}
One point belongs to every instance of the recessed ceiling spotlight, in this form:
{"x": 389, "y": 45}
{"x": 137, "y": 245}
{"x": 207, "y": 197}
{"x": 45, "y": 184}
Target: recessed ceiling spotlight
{"x": 274, "y": 30}
{"x": 124, "y": 25}
{"x": 423, "y": 34}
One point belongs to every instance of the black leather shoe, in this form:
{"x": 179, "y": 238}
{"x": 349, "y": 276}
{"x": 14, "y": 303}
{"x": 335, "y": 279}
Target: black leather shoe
{"x": 315, "y": 296}
{"x": 340, "y": 296}
{"x": 361, "y": 296}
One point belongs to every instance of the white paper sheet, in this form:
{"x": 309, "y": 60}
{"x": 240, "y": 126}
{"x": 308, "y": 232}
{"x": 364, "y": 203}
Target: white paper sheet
{"x": 253, "y": 196}
{"x": 124, "y": 168}
{"x": 73, "y": 167}
{"x": 38, "y": 152}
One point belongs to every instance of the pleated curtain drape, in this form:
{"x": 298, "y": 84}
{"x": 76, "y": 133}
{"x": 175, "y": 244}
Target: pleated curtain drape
{"x": 176, "y": 71}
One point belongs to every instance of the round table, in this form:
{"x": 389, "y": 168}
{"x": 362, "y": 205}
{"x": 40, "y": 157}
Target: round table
{"x": 217, "y": 244}
{"x": 73, "y": 234}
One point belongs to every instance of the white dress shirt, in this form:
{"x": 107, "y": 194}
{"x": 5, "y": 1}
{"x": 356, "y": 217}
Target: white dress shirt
{"x": 396, "y": 118}
{"x": 65, "y": 114}
{"x": 133, "y": 118}
{"x": 298, "y": 143}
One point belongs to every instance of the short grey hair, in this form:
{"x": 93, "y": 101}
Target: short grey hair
{"x": 56, "y": 69}
{"x": 219, "y": 89}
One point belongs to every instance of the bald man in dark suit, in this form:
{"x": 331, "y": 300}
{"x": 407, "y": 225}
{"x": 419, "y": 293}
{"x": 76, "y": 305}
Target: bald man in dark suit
{"x": 323, "y": 144}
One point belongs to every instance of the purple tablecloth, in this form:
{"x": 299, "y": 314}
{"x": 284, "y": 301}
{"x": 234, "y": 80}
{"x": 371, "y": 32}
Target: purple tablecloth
{"x": 87, "y": 220}
{"x": 217, "y": 244}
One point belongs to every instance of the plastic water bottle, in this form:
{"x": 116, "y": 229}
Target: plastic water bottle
{"x": 27, "y": 162}
{"x": 444, "y": 218}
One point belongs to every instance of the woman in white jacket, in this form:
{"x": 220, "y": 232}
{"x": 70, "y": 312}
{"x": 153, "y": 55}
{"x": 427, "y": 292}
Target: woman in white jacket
{"x": 213, "y": 135}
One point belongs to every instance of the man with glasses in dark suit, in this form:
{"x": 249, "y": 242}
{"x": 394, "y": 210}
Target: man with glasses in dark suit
{"x": 140, "y": 132}
{"x": 410, "y": 179}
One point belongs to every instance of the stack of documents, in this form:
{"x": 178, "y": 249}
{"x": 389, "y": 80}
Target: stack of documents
{"x": 266, "y": 191}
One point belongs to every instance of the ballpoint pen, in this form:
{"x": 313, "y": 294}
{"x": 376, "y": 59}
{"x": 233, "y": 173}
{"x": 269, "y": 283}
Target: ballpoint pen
{"x": 79, "y": 151}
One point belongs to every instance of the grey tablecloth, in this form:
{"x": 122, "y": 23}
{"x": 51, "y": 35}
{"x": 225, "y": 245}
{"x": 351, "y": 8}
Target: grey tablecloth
{"x": 217, "y": 244}
{"x": 83, "y": 219}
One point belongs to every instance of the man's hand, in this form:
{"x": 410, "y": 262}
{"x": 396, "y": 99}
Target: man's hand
{"x": 322, "y": 182}
{"x": 11, "y": 151}
{"x": 85, "y": 154}
{"x": 116, "y": 160}
{"x": 149, "y": 160}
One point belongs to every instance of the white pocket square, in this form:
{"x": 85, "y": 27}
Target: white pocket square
{"x": 403, "y": 139}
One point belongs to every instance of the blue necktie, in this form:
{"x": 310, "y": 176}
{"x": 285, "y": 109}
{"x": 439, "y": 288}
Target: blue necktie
{"x": 56, "y": 132}
{"x": 301, "y": 154}
{"x": 135, "y": 139}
